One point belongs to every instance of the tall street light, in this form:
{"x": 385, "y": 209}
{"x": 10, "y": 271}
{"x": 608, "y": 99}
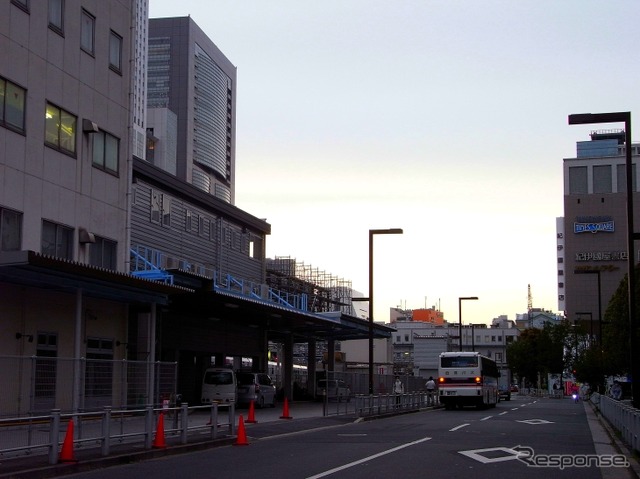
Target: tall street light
{"x": 390, "y": 231}
{"x": 595, "y": 271}
{"x": 460, "y": 300}
{"x": 624, "y": 117}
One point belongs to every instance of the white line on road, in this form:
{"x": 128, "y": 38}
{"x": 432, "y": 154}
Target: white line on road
{"x": 503, "y": 413}
{"x": 485, "y": 418}
{"x": 369, "y": 458}
{"x": 514, "y": 408}
{"x": 458, "y": 427}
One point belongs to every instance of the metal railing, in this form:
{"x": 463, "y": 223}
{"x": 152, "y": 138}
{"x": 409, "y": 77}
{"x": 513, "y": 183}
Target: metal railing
{"x": 623, "y": 417}
{"x": 376, "y": 405}
{"x": 45, "y": 434}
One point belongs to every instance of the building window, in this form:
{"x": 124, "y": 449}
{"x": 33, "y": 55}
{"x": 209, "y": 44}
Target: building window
{"x": 60, "y": 129}
{"x": 160, "y": 208}
{"x": 578, "y": 180}
{"x": 10, "y": 230}
{"x": 23, "y": 4}
{"x": 105, "y": 151}
{"x": 560, "y": 260}
{"x": 87, "y": 32}
{"x": 115, "y": 52}
{"x": 57, "y": 240}
{"x": 621, "y": 173}
{"x": 12, "y": 105}
{"x": 56, "y": 16}
{"x": 103, "y": 253}
{"x": 602, "y": 180}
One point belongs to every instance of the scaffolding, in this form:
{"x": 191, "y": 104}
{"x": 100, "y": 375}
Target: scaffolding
{"x": 326, "y": 292}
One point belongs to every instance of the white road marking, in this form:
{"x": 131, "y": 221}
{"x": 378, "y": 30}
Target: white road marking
{"x": 458, "y": 427}
{"x": 536, "y": 421}
{"x": 485, "y": 418}
{"x": 503, "y": 413}
{"x": 352, "y": 435}
{"x": 476, "y": 454}
{"x": 369, "y": 458}
{"x": 514, "y": 408}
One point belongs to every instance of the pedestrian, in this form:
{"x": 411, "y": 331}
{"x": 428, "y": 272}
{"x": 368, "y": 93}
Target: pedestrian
{"x": 431, "y": 391}
{"x": 398, "y": 389}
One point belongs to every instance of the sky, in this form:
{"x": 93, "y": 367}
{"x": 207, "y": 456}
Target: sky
{"x": 446, "y": 118}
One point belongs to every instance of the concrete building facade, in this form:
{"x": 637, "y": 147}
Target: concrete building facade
{"x": 592, "y": 236}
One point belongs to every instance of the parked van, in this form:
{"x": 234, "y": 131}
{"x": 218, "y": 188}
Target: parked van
{"x": 219, "y": 386}
{"x": 257, "y": 387}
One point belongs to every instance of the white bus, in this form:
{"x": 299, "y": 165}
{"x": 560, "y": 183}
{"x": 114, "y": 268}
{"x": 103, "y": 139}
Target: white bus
{"x": 467, "y": 379}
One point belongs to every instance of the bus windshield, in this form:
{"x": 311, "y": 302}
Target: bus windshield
{"x": 459, "y": 362}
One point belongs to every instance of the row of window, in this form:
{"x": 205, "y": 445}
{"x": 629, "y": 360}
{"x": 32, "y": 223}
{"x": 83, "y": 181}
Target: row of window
{"x": 61, "y": 127}
{"x": 56, "y": 15}
{"x": 57, "y": 240}
{"x": 601, "y": 179}
{"x": 487, "y": 339}
{"x": 201, "y": 225}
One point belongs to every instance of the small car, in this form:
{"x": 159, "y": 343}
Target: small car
{"x": 505, "y": 394}
{"x": 219, "y": 386}
{"x": 256, "y": 387}
{"x": 337, "y": 390}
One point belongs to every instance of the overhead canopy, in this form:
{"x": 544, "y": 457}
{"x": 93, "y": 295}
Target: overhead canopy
{"x": 41, "y": 271}
{"x": 279, "y": 321}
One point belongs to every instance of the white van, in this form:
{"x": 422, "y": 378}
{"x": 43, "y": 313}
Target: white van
{"x": 219, "y": 386}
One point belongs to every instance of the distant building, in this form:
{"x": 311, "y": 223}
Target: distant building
{"x": 537, "y": 318}
{"x": 425, "y": 315}
{"x": 191, "y": 107}
{"x": 592, "y": 236}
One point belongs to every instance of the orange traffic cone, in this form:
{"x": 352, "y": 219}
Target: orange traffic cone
{"x": 158, "y": 441}
{"x": 285, "y": 410}
{"x": 66, "y": 454}
{"x": 242, "y": 435}
{"x": 251, "y": 419}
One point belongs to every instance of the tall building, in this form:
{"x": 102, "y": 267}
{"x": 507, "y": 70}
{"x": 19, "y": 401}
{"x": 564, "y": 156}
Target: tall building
{"x": 191, "y": 107}
{"x": 592, "y": 236}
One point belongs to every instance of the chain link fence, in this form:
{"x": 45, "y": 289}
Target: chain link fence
{"x": 36, "y": 385}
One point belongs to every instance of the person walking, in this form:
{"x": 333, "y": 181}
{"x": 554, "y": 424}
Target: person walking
{"x": 398, "y": 389}
{"x": 431, "y": 391}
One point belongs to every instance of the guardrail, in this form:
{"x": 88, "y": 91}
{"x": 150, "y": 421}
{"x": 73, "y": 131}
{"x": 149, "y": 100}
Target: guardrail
{"x": 374, "y": 405}
{"x": 43, "y": 434}
{"x": 622, "y": 416}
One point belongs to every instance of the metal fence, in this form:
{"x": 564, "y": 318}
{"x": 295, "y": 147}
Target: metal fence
{"x": 36, "y": 385}
{"x": 622, "y": 416}
{"x": 43, "y": 435}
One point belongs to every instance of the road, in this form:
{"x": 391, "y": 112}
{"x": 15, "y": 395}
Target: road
{"x": 434, "y": 444}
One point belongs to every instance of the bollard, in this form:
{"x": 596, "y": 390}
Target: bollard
{"x": 53, "y": 436}
{"x": 106, "y": 431}
{"x": 184, "y": 422}
{"x": 148, "y": 427}
{"x": 214, "y": 421}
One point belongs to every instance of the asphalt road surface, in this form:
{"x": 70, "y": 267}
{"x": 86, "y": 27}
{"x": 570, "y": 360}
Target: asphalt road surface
{"x": 521, "y": 438}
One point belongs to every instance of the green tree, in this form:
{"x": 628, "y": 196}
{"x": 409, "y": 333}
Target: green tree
{"x": 539, "y": 351}
{"x": 615, "y": 329}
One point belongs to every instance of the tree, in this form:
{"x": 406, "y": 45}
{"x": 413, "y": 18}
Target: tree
{"x": 540, "y": 351}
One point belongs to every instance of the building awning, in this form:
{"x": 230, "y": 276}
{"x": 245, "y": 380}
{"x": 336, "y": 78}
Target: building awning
{"x": 280, "y": 322}
{"x": 33, "y": 269}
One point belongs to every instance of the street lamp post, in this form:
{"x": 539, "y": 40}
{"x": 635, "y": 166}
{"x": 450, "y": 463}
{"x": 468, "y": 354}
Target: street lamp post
{"x": 595, "y": 271}
{"x": 372, "y": 233}
{"x": 460, "y": 300}
{"x": 590, "y": 315}
{"x": 624, "y": 117}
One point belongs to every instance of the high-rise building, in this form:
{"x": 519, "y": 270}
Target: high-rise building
{"x": 191, "y": 104}
{"x": 592, "y": 236}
